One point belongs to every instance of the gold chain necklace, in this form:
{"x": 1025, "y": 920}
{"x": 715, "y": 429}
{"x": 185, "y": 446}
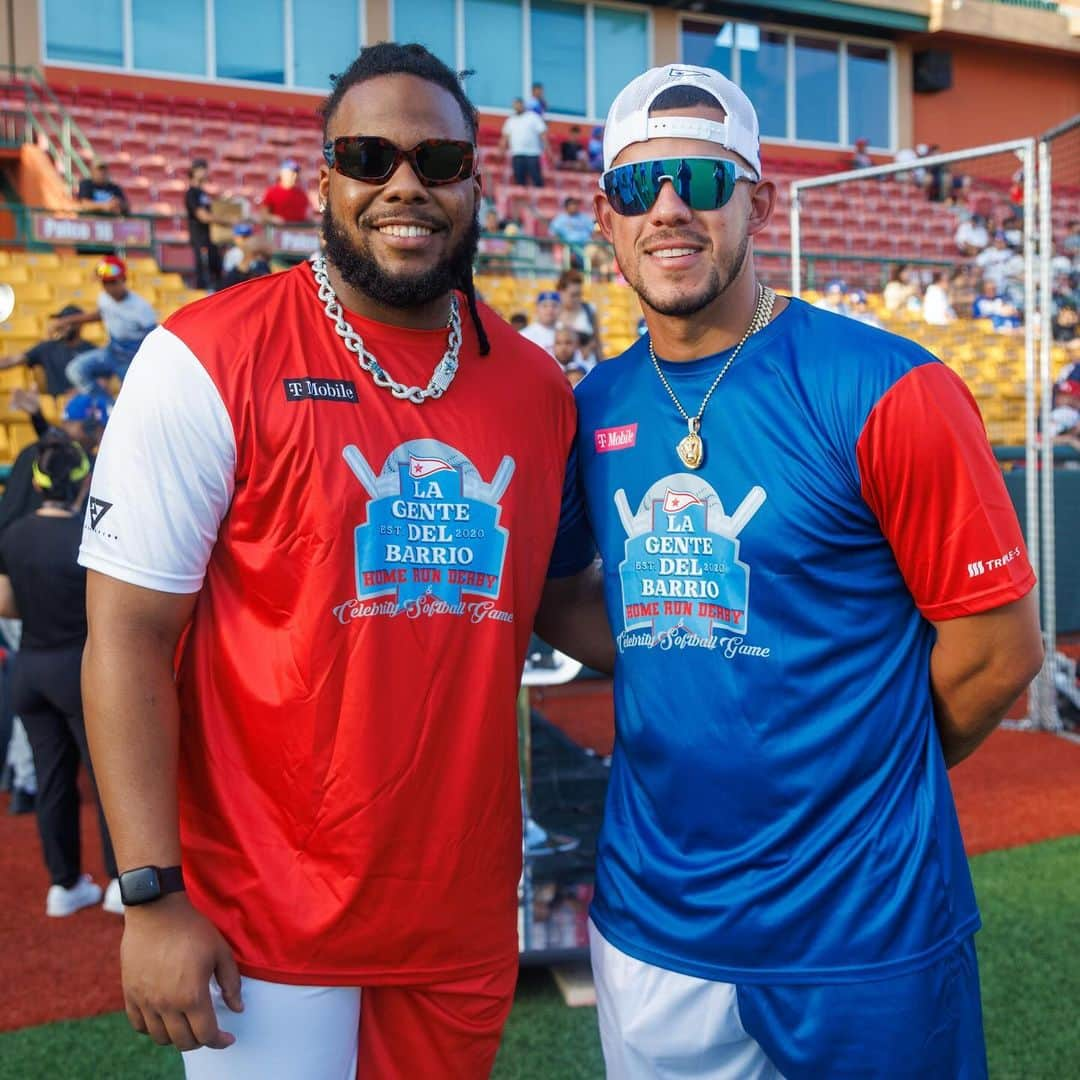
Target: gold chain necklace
{"x": 691, "y": 448}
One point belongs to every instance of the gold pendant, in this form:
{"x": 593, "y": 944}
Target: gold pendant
{"x": 690, "y": 448}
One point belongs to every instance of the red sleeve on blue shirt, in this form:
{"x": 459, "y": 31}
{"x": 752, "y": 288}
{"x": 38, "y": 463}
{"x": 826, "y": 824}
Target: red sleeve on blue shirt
{"x": 930, "y": 477}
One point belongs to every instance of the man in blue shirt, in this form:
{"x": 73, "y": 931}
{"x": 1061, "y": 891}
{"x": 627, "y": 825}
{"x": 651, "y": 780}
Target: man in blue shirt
{"x": 820, "y": 601}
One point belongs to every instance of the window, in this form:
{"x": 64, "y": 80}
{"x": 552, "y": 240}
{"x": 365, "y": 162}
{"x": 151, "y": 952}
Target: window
{"x": 558, "y": 54}
{"x": 763, "y": 75}
{"x": 493, "y": 50}
{"x": 708, "y": 45}
{"x": 318, "y": 54}
{"x": 169, "y": 37}
{"x": 250, "y": 40}
{"x": 820, "y": 88}
{"x": 431, "y": 23}
{"x": 817, "y": 90}
{"x": 869, "y": 100}
{"x": 621, "y": 52}
{"x": 85, "y": 33}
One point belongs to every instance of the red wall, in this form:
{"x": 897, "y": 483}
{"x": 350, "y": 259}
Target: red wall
{"x": 999, "y": 92}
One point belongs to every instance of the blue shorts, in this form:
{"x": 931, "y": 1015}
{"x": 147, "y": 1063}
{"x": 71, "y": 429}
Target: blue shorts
{"x": 654, "y": 1023}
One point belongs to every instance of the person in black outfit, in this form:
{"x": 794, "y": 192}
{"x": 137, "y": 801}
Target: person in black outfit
{"x": 97, "y": 194}
{"x": 42, "y": 583}
{"x": 54, "y": 355}
{"x": 207, "y": 255}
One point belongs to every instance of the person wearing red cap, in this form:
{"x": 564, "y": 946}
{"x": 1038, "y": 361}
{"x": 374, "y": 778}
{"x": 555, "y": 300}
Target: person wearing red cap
{"x": 1065, "y": 415}
{"x": 128, "y": 318}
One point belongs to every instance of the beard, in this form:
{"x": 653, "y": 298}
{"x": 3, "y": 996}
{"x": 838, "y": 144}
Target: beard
{"x": 721, "y": 275}
{"x": 359, "y": 267}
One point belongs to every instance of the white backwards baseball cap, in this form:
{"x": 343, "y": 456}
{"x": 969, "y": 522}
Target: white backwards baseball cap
{"x": 628, "y": 119}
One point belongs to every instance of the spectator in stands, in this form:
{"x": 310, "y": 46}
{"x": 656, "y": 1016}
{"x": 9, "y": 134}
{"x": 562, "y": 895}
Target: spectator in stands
{"x": 576, "y": 311}
{"x": 971, "y": 235}
{"x": 197, "y": 202}
{"x": 596, "y": 150}
{"x": 519, "y": 320}
{"x": 494, "y": 249}
{"x": 567, "y": 350}
{"x": 573, "y": 226}
{"x": 254, "y": 260}
{"x": 994, "y": 256}
{"x": 902, "y": 292}
{"x": 904, "y": 154}
{"x": 859, "y": 309}
{"x": 286, "y": 202}
{"x": 1066, "y": 318}
{"x": 524, "y": 137}
{"x": 54, "y": 354}
{"x": 572, "y": 151}
{"x": 936, "y": 308}
{"x": 128, "y": 318}
{"x": 42, "y": 583}
{"x": 1004, "y": 316}
{"x": 82, "y": 420}
{"x": 861, "y": 159}
{"x": 542, "y": 329}
{"x": 1013, "y": 228}
{"x": 833, "y": 298}
{"x": 1065, "y": 415}
{"x": 962, "y": 291}
{"x": 537, "y": 101}
{"x": 97, "y": 193}
{"x": 1070, "y": 244}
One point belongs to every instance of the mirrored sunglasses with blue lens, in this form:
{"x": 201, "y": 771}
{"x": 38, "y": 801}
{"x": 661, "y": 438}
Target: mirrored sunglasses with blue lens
{"x": 703, "y": 183}
{"x": 373, "y": 160}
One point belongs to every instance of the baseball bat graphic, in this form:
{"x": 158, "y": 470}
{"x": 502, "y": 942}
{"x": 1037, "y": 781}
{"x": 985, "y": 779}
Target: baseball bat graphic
{"x": 501, "y": 480}
{"x": 625, "y": 516}
{"x": 747, "y": 509}
{"x": 361, "y": 470}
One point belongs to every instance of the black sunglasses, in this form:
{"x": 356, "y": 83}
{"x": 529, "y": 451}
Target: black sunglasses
{"x": 373, "y": 160}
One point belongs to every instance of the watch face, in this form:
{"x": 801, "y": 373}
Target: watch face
{"x": 139, "y": 886}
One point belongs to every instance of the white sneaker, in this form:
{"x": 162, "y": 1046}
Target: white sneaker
{"x": 112, "y": 901}
{"x": 61, "y": 901}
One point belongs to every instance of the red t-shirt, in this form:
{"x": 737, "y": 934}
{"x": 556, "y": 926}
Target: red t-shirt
{"x": 288, "y": 203}
{"x": 350, "y": 808}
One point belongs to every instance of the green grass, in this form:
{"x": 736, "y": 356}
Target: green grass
{"x": 1028, "y": 956}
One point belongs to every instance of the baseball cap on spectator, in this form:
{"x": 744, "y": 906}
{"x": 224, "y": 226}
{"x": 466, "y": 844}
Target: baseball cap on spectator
{"x": 549, "y": 294}
{"x": 291, "y": 164}
{"x": 1069, "y": 386}
{"x": 66, "y": 310}
{"x": 111, "y": 268}
{"x": 92, "y": 407}
{"x": 628, "y": 119}
{"x": 835, "y": 287}
{"x": 857, "y": 296}
{"x": 243, "y": 228}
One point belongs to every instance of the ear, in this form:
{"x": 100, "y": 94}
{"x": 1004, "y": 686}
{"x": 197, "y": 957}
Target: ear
{"x": 324, "y": 185}
{"x": 762, "y": 205}
{"x": 602, "y": 210}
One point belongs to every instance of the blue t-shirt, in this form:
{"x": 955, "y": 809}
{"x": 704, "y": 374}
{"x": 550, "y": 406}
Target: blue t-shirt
{"x": 779, "y": 809}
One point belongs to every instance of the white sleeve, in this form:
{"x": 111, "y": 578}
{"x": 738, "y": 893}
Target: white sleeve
{"x": 164, "y": 475}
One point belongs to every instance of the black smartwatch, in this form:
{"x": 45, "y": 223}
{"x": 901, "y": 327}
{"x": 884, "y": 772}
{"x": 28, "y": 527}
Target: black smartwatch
{"x": 148, "y": 883}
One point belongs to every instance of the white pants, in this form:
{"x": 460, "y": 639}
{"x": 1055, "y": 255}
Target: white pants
{"x": 657, "y": 1024}
{"x": 284, "y": 1033}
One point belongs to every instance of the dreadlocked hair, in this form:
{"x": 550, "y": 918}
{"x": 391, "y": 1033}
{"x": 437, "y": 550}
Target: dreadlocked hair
{"x": 390, "y": 58}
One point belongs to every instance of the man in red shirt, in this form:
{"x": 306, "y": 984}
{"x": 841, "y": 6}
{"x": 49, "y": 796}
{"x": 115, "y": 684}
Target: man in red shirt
{"x": 349, "y": 484}
{"x": 286, "y": 203}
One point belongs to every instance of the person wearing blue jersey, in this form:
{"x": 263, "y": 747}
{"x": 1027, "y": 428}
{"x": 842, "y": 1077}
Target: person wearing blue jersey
{"x": 820, "y": 601}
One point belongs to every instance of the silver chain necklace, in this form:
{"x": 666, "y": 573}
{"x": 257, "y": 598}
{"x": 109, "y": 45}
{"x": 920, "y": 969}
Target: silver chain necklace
{"x": 691, "y": 448}
{"x": 445, "y": 369}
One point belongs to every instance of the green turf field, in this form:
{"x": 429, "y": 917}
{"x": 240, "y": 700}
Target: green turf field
{"x": 1028, "y": 954}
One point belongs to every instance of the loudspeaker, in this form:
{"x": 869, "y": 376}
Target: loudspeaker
{"x": 933, "y": 71}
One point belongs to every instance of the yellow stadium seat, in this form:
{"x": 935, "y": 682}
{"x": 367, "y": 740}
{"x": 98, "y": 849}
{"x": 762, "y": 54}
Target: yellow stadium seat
{"x": 20, "y": 434}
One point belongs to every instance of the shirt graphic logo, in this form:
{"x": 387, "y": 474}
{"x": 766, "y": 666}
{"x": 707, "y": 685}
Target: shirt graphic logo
{"x": 320, "y": 390}
{"x": 975, "y": 569}
{"x": 98, "y": 509}
{"x": 615, "y": 438}
{"x": 682, "y": 580}
{"x": 432, "y": 535}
